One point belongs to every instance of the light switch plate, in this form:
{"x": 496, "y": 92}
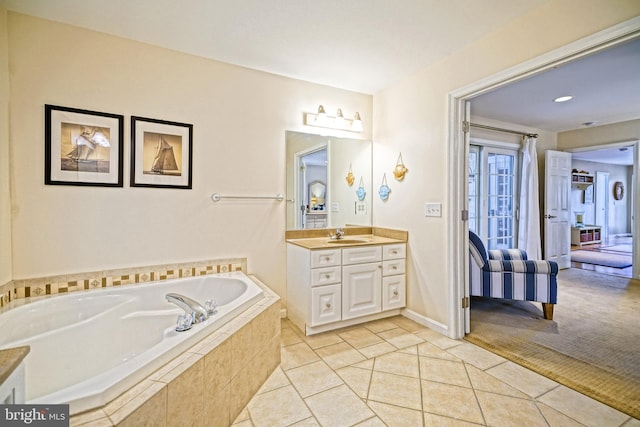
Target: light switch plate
{"x": 433, "y": 209}
{"x": 335, "y": 207}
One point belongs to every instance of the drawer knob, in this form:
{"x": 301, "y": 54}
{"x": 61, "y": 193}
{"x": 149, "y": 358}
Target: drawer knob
{"x": 327, "y": 276}
{"x": 328, "y": 305}
{"x": 394, "y": 252}
{"x": 395, "y": 293}
{"x": 394, "y": 267}
{"x": 327, "y": 258}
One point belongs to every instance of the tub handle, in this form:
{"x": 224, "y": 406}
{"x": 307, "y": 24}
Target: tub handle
{"x": 184, "y": 323}
{"x": 211, "y": 306}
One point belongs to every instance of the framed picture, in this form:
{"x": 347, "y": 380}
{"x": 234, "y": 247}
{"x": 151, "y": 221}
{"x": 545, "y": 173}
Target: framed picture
{"x": 82, "y": 147}
{"x": 161, "y": 153}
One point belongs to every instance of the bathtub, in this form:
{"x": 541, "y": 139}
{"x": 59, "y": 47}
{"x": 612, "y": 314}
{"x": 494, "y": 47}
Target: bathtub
{"x": 89, "y": 347}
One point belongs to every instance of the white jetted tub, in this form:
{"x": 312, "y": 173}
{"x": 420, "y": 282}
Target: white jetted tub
{"x": 89, "y": 347}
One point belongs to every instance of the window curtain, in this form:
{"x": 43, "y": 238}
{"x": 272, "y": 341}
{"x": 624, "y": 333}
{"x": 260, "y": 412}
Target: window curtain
{"x": 529, "y": 224}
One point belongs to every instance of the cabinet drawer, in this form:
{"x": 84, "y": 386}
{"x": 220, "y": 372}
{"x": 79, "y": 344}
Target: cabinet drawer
{"x": 326, "y": 304}
{"x": 361, "y": 254}
{"x": 393, "y": 266}
{"x": 396, "y": 251}
{"x": 325, "y": 276}
{"x": 326, "y": 258}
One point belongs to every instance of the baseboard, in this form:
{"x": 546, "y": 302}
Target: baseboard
{"x": 425, "y": 321}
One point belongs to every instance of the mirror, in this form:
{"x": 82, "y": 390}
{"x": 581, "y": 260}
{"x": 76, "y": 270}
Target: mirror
{"x": 317, "y": 170}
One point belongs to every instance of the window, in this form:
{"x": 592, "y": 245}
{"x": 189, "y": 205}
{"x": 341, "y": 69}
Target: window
{"x": 492, "y": 195}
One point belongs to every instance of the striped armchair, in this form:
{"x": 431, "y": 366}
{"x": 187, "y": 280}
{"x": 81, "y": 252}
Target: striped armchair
{"x": 508, "y": 274}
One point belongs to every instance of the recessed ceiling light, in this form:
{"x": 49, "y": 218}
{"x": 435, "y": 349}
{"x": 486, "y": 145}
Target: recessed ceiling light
{"x": 563, "y": 98}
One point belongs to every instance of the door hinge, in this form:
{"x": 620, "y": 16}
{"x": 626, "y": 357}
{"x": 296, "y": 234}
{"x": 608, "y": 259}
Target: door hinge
{"x": 464, "y": 215}
{"x": 466, "y": 127}
{"x": 465, "y": 302}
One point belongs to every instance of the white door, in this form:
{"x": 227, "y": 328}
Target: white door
{"x": 557, "y": 208}
{"x": 602, "y": 204}
{"x": 361, "y": 290}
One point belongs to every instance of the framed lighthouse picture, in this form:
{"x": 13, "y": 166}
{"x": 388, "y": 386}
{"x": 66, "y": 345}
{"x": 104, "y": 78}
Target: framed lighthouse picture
{"x": 161, "y": 153}
{"x": 82, "y": 147}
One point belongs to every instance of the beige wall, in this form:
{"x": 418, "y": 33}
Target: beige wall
{"x": 599, "y": 135}
{"x": 239, "y": 118}
{"x": 5, "y": 194}
{"x": 411, "y": 116}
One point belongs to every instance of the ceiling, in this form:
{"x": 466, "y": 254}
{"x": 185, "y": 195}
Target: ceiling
{"x": 605, "y": 87}
{"x": 365, "y": 46}
{"x": 358, "y": 45}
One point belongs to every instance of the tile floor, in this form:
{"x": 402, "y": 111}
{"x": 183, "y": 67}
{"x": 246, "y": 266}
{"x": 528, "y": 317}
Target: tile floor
{"x": 395, "y": 372}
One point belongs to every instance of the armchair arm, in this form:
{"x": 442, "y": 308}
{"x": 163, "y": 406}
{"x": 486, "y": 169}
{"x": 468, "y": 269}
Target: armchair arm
{"x": 507, "y": 254}
{"x": 522, "y": 266}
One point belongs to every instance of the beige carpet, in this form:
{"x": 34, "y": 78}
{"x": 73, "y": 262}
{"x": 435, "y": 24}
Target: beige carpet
{"x": 592, "y": 345}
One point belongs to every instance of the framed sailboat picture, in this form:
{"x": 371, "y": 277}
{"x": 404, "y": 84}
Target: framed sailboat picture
{"x": 83, "y": 147}
{"x": 161, "y": 153}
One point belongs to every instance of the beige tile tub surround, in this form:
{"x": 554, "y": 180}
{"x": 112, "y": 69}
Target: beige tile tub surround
{"x": 210, "y": 383}
{"x": 53, "y": 285}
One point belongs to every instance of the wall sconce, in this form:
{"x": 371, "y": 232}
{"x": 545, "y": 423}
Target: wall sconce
{"x": 321, "y": 119}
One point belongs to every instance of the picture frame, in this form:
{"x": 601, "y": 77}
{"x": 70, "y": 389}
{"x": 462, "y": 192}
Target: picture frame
{"x": 161, "y": 153}
{"x": 83, "y": 147}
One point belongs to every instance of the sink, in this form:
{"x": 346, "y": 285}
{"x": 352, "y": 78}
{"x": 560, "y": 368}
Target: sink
{"x": 347, "y": 241}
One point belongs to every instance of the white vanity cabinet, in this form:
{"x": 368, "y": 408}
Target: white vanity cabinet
{"x": 332, "y": 288}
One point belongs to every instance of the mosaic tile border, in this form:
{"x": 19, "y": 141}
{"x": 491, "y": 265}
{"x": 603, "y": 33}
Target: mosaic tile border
{"x": 28, "y": 288}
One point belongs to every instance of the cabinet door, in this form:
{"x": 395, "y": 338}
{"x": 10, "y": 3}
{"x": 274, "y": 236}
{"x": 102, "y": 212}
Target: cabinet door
{"x": 361, "y": 289}
{"x": 325, "y": 304}
{"x": 393, "y": 292}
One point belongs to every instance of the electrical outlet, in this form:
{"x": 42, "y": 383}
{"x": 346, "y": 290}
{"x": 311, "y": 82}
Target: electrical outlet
{"x": 335, "y": 207}
{"x": 433, "y": 209}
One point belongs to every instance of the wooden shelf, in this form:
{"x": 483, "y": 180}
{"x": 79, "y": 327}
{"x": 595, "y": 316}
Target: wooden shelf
{"x": 581, "y": 180}
{"x": 587, "y": 235}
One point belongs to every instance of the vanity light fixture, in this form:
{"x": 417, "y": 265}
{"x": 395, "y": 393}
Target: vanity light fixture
{"x": 357, "y": 123}
{"x": 339, "y": 122}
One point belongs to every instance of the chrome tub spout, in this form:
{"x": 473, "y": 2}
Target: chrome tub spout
{"x": 191, "y": 307}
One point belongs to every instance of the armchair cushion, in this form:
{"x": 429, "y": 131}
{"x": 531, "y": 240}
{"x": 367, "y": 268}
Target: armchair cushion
{"x": 509, "y": 274}
{"x": 507, "y": 254}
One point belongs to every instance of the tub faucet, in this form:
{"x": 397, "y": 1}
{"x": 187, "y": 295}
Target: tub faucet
{"x": 191, "y": 307}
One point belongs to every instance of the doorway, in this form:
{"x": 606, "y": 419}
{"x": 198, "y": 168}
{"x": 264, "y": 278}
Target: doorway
{"x": 459, "y": 118}
{"x": 611, "y": 165}
{"x": 310, "y": 187}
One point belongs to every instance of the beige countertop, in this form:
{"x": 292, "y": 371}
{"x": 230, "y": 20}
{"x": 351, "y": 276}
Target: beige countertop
{"x": 10, "y": 359}
{"x": 346, "y": 241}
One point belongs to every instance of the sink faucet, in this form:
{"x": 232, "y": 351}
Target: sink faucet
{"x": 191, "y": 307}
{"x": 338, "y": 235}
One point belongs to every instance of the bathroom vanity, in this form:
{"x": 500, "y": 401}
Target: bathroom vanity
{"x": 337, "y": 283}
